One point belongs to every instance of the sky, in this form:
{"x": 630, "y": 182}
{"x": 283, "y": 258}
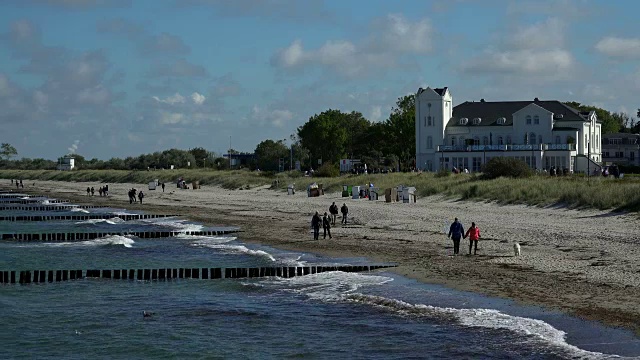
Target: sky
{"x": 118, "y": 78}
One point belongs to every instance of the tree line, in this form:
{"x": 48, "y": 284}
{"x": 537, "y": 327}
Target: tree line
{"x": 322, "y": 141}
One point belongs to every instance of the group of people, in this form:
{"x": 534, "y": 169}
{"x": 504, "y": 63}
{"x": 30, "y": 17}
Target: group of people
{"x": 132, "y": 196}
{"x": 456, "y": 233}
{"x": 18, "y": 184}
{"x": 328, "y": 220}
{"x": 102, "y": 191}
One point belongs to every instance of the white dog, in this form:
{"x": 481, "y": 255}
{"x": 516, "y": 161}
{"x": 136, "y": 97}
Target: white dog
{"x": 516, "y": 249}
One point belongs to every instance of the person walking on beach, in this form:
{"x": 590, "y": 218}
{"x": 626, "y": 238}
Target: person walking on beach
{"x": 21, "y": 185}
{"x": 326, "y": 224}
{"x": 93, "y": 191}
{"x": 88, "y": 191}
{"x": 140, "y": 196}
{"x": 333, "y": 210}
{"x": 345, "y": 210}
{"x": 162, "y": 187}
{"x": 456, "y": 232}
{"x": 316, "y": 220}
{"x": 474, "y": 235}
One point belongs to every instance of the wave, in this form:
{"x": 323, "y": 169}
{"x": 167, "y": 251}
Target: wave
{"x": 111, "y": 221}
{"x": 234, "y": 249}
{"x": 110, "y": 240}
{"x": 205, "y": 241}
{"x": 75, "y": 209}
{"x": 484, "y": 318}
{"x": 177, "y": 224}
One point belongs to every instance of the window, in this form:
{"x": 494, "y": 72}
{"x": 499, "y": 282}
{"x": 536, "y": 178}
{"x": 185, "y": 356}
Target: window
{"x": 528, "y": 119}
{"x": 429, "y": 120}
{"x": 463, "y": 121}
{"x": 453, "y": 140}
{"x": 632, "y": 155}
{"x": 476, "y": 140}
{"x": 536, "y": 120}
{"x": 526, "y": 139}
{"x": 586, "y": 140}
{"x": 532, "y": 138}
{"x": 615, "y": 141}
{"x": 539, "y": 139}
{"x": 485, "y": 140}
{"x": 502, "y": 121}
{"x": 462, "y": 141}
{"x": 476, "y": 121}
{"x": 476, "y": 164}
{"x": 429, "y": 142}
{"x": 619, "y": 154}
{"x": 558, "y": 140}
{"x": 606, "y": 154}
{"x": 500, "y": 140}
{"x": 509, "y": 140}
{"x": 597, "y": 142}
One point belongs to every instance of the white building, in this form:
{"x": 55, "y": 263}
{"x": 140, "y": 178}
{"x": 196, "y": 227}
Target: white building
{"x": 542, "y": 133}
{"x": 67, "y": 163}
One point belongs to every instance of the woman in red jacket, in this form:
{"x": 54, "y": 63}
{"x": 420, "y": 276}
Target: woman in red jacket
{"x": 474, "y": 234}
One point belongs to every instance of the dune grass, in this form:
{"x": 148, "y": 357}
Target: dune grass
{"x": 573, "y": 191}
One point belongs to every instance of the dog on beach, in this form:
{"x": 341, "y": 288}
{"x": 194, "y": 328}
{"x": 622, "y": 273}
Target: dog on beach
{"x": 516, "y": 249}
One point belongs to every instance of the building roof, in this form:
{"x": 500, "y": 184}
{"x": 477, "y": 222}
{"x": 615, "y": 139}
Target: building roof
{"x": 441, "y": 91}
{"x": 620, "y": 136}
{"x": 490, "y": 112}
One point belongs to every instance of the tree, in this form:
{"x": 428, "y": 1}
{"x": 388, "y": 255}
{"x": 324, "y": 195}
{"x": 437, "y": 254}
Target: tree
{"x": 268, "y": 154}
{"x": 325, "y": 135}
{"x": 7, "y": 151}
{"x": 609, "y": 123}
{"x": 400, "y": 130}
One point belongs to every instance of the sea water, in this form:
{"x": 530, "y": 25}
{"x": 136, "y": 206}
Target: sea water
{"x": 377, "y": 315}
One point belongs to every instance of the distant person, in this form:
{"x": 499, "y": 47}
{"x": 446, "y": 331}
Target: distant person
{"x": 474, "y": 235}
{"x": 456, "y": 232}
{"x": 326, "y": 225}
{"x": 92, "y": 191}
{"x": 345, "y": 210}
{"x": 162, "y": 187}
{"x": 11, "y": 181}
{"x": 333, "y": 210}
{"x": 131, "y": 196}
{"x": 17, "y": 185}
{"x": 100, "y": 191}
{"x": 21, "y": 185}
{"x": 106, "y": 190}
{"x": 88, "y": 191}
{"x": 140, "y": 196}
{"x": 316, "y": 220}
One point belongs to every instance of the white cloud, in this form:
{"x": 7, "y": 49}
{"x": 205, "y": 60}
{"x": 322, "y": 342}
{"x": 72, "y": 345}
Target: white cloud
{"x": 198, "y": 99}
{"x": 626, "y": 48}
{"x": 172, "y": 118}
{"x": 74, "y": 147}
{"x": 278, "y": 117}
{"x": 391, "y": 38}
{"x": 537, "y": 49}
{"x": 171, "y": 100}
{"x": 376, "y": 113}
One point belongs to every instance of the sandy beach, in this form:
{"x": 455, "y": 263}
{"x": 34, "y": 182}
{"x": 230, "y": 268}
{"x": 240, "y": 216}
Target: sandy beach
{"x": 583, "y": 262}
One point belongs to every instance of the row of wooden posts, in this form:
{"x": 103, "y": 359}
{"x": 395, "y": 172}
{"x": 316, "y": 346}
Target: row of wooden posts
{"x": 44, "y": 276}
{"x": 125, "y": 217}
{"x": 81, "y": 236}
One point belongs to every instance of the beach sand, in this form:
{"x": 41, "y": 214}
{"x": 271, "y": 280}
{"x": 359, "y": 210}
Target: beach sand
{"x": 583, "y": 262}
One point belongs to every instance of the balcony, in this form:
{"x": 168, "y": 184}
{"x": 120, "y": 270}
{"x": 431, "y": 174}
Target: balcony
{"x": 523, "y": 147}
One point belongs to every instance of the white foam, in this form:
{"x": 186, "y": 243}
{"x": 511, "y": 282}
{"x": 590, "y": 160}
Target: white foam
{"x": 45, "y": 202}
{"x": 485, "y": 318}
{"x": 205, "y": 241}
{"x": 178, "y": 224}
{"x": 107, "y": 240}
{"x": 75, "y": 209}
{"x": 236, "y": 249}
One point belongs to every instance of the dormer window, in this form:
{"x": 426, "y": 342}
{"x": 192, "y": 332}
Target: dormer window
{"x": 476, "y": 121}
{"x": 502, "y": 121}
{"x": 463, "y": 121}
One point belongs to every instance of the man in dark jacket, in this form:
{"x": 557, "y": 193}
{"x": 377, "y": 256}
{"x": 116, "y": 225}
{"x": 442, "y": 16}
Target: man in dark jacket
{"x": 326, "y": 224}
{"x": 456, "y": 232}
{"x": 316, "y": 220}
{"x": 345, "y": 210}
{"x": 333, "y": 210}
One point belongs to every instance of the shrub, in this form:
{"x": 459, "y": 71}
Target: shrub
{"x": 327, "y": 170}
{"x": 506, "y": 167}
{"x": 443, "y": 172}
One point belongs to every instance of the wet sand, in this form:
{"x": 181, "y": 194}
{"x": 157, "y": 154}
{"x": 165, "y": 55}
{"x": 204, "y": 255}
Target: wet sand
{"x": 583, "y": 262}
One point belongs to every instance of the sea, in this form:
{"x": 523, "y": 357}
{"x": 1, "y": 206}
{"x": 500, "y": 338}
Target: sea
{"x": 330, "y": 315}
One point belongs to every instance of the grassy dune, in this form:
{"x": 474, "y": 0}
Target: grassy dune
{"x": 599, "y": 193}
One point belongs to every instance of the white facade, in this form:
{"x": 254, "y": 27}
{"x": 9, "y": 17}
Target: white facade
{"x": 544, "y": 134}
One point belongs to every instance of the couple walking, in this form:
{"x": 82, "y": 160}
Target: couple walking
{"x": 325, "y": 221}
{"x": 456, "y": 232}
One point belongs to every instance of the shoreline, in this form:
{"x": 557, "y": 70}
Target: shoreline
{"x": 582, "y": 262}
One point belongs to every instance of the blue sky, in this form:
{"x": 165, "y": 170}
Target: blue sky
{"x": 118, "y": 78}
